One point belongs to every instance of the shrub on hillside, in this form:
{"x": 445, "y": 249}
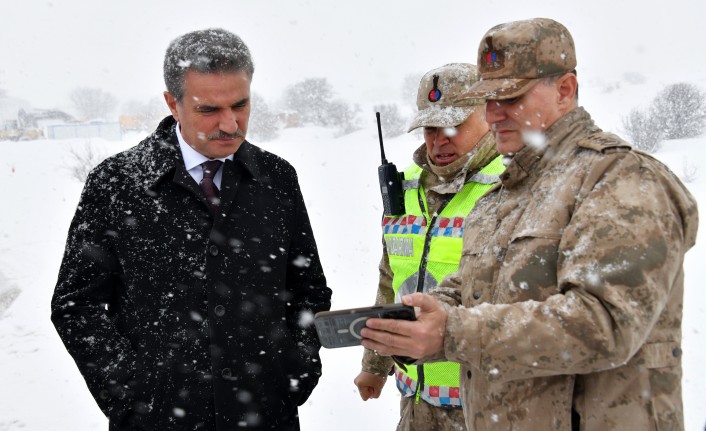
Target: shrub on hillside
{"x": 680, "y": 111}
{"x": 83, "y": 160}
{"x": 93, "y": 103}
{"x": 311, "y": 99}
{"x": 264, "y": 124}
{"x": 343, "y": 116}
{"x": 391, "y": 121}
{"x": 677, "y": 112}
{"x": 644, "y": 133}
{"x": 410, "y": 88}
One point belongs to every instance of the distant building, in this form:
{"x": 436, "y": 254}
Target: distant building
{"x": 9, "y": 106}
{"x": 108, "y": 130}
{"x": 18, "y": 122}
{"x": 40, "y": 118}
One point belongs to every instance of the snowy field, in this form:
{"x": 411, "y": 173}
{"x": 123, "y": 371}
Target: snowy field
{"x": 41, "y": 389}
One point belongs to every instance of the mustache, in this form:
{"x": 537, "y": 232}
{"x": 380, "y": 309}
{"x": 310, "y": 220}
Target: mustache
{"x": 223, "y": 135}
{"x": 502, "y": 125}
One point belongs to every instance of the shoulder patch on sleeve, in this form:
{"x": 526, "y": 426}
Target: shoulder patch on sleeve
{"x": 605, "y": 143}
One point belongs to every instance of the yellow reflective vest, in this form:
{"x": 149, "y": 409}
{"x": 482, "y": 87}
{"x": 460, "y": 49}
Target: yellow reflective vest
{"x": 422, "y": 249}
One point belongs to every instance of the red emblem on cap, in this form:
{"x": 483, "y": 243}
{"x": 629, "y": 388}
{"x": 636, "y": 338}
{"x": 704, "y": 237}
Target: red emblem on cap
{"x": 492, "y": 59}
{"x": 435, "y": 93}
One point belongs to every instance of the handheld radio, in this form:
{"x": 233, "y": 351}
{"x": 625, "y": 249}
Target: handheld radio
{"x": 390, "y": 182}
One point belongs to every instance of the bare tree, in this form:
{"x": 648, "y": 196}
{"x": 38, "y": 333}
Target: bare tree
{"x": 344, "y": 117}
{"x": 410, "y": 88}
{"x": 93, "y": 103}
{"x": 83, "y": 160}
{"x": 138, "y": 115}
{"x": 311, "y": 99}
{"x": 644, "y": 132}
{"x": 689, "y": 171}
{"x": 680, "y": 111}
{"x": 391, "y": 121}
{"x": 263, "y": 124}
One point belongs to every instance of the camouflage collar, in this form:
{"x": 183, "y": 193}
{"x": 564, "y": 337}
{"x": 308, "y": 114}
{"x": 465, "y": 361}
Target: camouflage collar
{"x": 451, "y": 178}
{"x": 574, "y": 123}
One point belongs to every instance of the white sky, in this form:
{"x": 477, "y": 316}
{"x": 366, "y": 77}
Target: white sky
{"x": 364, "y": 47}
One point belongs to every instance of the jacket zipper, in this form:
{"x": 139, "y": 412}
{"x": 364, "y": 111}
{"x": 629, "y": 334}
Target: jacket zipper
{"x": 422, "y": 273}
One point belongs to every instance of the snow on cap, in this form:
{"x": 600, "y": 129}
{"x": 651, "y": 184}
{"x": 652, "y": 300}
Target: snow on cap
{"x": 440, "y": 99}
{"x": 512, "y": 55}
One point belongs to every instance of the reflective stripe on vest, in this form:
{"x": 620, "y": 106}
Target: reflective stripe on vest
{"x": 405, "y": 238}
{"x": 435, "y": 395}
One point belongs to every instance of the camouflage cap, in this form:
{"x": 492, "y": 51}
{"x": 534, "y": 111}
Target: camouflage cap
{"x": 440, "y": 99}
{"x": 512, "y": 55}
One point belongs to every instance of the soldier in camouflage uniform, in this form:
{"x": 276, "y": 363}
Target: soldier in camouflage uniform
{"x": 457, "y": 164}
{"x": 571, "y": 282}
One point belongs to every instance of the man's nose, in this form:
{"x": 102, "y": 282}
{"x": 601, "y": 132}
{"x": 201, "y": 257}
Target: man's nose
{"x": 440, "y": 137}
{"x": 228, "y": 121}
{"x": 493, "y": 111}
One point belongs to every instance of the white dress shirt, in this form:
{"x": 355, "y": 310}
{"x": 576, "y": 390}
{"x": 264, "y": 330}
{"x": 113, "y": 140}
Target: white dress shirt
{"x": 193, "y": 160}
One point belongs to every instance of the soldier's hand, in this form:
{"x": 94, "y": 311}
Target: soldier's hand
{"x": 414, "y": 339}
{"x": 369, "y": 385}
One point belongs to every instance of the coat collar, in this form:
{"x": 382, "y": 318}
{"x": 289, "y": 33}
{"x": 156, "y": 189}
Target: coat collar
{"x": 451, "y": 178}
{"x": 527, "y": 160}
{"x": 161, "y": 156}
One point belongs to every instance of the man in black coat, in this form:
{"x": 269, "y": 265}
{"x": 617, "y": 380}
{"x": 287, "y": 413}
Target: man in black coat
{"x": 187, "y": 289}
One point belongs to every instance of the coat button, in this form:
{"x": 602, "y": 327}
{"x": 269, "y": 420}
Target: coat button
{"x": 226, "y": 373}
{"x": 676, "y": 352}
{"x": 213, "y": 250}
{"x": 468, "y": 374}
{"x": 219, "y": 310}
{"x": 476, "y": 295}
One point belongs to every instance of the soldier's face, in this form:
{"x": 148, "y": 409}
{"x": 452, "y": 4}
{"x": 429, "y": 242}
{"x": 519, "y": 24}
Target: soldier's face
{"x": 446, "y": 145}
{"x": 534, "y": 111}
{"x": 214, "y": 112}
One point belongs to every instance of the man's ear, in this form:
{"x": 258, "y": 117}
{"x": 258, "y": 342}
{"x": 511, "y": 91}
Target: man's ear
{"x": 566, "y": 89}
{"x": 172, "y": 104}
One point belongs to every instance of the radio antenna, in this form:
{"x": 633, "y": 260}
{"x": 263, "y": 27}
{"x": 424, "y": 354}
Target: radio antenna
{"x": 382, "y": 148}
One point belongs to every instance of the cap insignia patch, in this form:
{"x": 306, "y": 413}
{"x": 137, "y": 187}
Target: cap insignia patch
{"x": 492, "y": 59}
{"x": 435, "y": 93}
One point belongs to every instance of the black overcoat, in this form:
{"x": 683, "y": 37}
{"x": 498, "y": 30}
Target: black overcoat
{"x": 179, "y": 319}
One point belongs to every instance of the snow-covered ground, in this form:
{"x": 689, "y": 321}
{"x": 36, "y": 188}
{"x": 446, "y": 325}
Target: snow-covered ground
{"x": 40, "y": 387}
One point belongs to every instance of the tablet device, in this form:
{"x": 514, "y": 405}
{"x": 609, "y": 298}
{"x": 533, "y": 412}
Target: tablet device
{"x": 341, "y": 328}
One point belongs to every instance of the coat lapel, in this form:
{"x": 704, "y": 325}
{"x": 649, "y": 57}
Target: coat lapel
{"x": 183, "y": 179}
{"x": 236, "y": 174}
{"x": 230, "y": 180}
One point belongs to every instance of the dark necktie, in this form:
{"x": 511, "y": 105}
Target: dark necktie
{"x": 209, "y": 188}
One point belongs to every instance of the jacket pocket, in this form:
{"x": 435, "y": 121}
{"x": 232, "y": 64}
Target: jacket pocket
{"x": 150, "y": 392}
{"x": 659, "y": 355}
{"x": 662, "y": 371}
{"x": 529, "y": 266}
{"x": 478, "y": 270}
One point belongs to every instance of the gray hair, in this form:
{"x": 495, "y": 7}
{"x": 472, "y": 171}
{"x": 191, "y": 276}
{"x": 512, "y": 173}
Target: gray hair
{"x": 212, "y": 50}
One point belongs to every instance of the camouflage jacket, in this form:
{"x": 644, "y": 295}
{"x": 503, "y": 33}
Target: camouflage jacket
{"x": 571, "y": 281}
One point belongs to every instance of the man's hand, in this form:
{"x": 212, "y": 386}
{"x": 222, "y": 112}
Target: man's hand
{"x": 369, "y": 385}
{"x": 415, "y": 339}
